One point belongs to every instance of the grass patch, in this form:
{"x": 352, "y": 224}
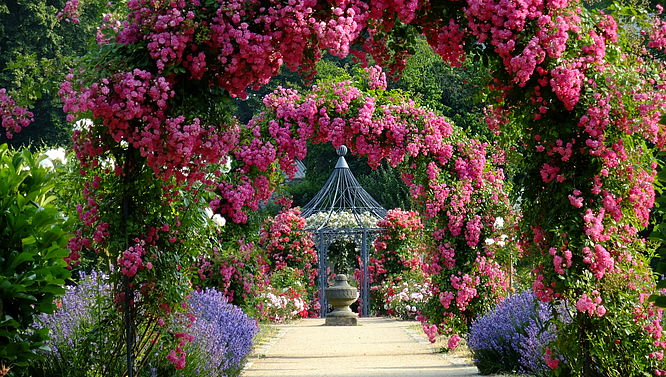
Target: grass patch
{"x": 266, "y": 332}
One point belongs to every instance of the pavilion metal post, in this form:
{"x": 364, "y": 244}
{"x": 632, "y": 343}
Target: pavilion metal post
{"x": 365, "y": 291}
{"x": 323, "y": 276}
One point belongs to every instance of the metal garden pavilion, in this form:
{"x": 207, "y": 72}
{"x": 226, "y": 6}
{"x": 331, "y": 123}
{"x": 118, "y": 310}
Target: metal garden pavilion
{"x": 343, "y": 194}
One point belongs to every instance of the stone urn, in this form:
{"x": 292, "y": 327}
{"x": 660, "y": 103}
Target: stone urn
{"x": 340, "y": 295}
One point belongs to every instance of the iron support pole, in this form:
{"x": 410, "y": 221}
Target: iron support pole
{"x": 366, "y": 283}
{"x": 323, "y": 261}
{"x": 127, "y": 302}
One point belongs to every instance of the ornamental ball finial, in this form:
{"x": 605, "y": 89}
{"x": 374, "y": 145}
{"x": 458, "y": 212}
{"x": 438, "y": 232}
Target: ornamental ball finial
{"x": 342, "y": 150}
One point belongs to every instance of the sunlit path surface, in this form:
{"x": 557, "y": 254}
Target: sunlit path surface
{"x": 377, "y": 347}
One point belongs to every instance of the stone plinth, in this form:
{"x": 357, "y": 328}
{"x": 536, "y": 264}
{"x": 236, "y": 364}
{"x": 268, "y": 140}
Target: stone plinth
{"x": 341, "y": 321}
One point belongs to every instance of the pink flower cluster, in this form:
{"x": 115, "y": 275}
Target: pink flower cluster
{"x": 70, "y": 12}
{"x": 658, "y": 34}
{"x": 575, "y": 199}
{"x": 466, "y": 289}
{"x": 600, "y": 260}
{"x": 131, "y": 107}
{"x": 131, "y": 260}
{"x": 453, "y": 342}
{"x": 445, "y": 258}
{"x": 338, "y": 33}
{"x": 169, "y": 38}
{"x": 177, "y": 357}
{"x": 591, "y": 305}
{"x": 566, "y": 84}
{"x": 447, "y": 41}
{"x": 430, "y": 331}
{"x": 12, "y": 117}
{"x": 377, "y": 77}
{"x": 560, "y": 262}
{"x": 396, "y": 250}
{"x": 244, "y": 45}
{"x": 108, "y": 28}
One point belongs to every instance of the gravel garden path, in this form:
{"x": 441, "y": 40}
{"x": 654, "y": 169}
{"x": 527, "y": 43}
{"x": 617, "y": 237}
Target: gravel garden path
{"x": 377, "y": 347}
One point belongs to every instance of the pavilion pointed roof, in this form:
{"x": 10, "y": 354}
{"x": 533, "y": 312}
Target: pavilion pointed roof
{"x": 342, "y": 202}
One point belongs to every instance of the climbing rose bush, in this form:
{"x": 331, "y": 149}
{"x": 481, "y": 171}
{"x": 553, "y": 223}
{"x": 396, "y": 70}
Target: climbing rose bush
{"x": 445, "y": 171}
{"x": 289, "y": 245}
{"x": 293, "y": 267}
{"x": 237, "y": 270}
{"x": 398, "y": 248}
{"x": 584, "y": 109}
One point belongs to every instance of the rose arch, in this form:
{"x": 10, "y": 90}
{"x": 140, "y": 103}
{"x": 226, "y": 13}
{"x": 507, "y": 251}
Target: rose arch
{"x": 578, "y": 101}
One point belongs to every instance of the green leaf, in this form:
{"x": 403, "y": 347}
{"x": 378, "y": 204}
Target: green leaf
{"x": 28, "y": 240}
{"x": 25, "y": 296}
{"x": 26, "y": 256}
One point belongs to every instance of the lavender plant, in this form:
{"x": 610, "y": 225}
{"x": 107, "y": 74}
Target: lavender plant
{"x": 222, "y": 334}
{"x": 78, "y": 337}
{"x": 79, "y": 342}
{"x": 512, "y": 337}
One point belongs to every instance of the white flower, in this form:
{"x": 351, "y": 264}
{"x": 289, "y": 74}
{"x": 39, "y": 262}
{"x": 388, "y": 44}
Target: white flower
{"x": 46, "y": 163}
{"x": 108, "y": 163}
{"x": 226, "y": 168}
{"x": 341, "y": 219}
{"x": 499, "y": 222}
{"x": 219, "y": 220}
{"x": 57, "y": 155}
{"x": 209, "y": 212}
{"x": 503, "y": 237}
{"x": 501, "y": 243}
{"x": 490, "y": 241}
{"x": 83, "y": 124}
{"x": 54, "y": 157}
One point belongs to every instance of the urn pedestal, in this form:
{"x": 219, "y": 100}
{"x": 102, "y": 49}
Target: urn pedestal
{"x": 340, "y": 295}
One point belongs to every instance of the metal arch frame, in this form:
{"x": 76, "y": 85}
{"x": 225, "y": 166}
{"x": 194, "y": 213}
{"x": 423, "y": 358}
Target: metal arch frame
{"x": 324, "y": 237}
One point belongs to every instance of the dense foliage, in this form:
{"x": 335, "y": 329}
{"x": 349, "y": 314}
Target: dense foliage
{"x": 32, "y": 269}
